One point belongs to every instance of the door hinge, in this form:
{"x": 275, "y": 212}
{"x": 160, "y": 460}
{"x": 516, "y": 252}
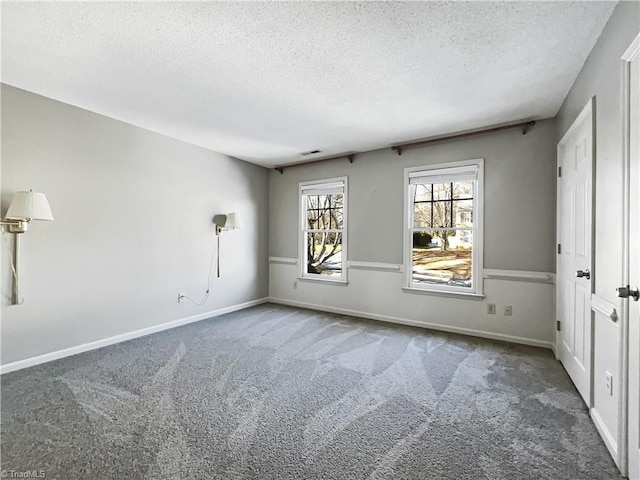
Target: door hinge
{"x": 559, "y": 171}
{"x": 559, "y": 249}
{"x": 558, "y": 325}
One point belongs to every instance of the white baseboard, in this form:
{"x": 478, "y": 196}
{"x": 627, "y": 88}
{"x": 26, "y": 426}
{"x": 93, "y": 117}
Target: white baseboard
{"x": 415, "y": 323}
{"x": 604, "y": 432}
{"x": 67, "y": 352}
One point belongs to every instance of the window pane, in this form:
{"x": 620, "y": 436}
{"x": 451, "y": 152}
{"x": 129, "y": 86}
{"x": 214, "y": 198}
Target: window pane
{"x": 463, "y": 190}
{"x": 423, "y": 192}
{"x": 463, "y": 213}
{"x": 312, "y": 219}
{"x": 312, "y": 201}
{"x": 324, "y": 212}
{"x": 325, "y": 218}
{"x": 443, "y": 258}
{"x": 441, "y": 214}
{"x": 422, "y": 215}
{"x": 442, "y": 191}
{"x": 336, "y": 218}
{"x": 324, "y": 253}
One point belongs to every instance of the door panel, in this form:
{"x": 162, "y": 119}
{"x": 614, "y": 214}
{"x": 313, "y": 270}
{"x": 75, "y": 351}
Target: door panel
{"x": 566, "y": 296}
{"x": 575, "y": 157}
{"x": 580, "y": 347}
{"x": 581, "y": 234}
{"x": 566, "y": 239}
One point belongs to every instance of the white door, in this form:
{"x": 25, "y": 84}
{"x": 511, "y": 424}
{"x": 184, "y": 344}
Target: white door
{"x": 573, "y": 292}
{"x": 634, "y": 263}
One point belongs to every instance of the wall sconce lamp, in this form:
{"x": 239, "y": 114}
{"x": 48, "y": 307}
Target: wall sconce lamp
{"x": 225, "y": 223}
{"x": 24, "y": 207}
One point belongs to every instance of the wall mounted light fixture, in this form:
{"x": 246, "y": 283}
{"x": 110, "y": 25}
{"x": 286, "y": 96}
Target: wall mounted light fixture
{"x": 24, "y": 207}
{"x": 225, "y": 223}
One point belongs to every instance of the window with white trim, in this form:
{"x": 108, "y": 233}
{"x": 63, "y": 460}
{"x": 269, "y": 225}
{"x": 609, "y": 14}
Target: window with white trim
{"x": 443, "y": 230}
{"x": 323, "y": 229}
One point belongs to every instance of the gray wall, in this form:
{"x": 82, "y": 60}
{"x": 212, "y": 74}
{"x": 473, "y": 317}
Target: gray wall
{"x": 519, "y": 198}
{"x": 601, "y": 77}
{"x": 132, "y": 226}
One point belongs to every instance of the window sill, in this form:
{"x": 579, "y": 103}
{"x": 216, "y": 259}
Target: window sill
{"x": 443, "y": 293}
{"x": 338, "y": 283}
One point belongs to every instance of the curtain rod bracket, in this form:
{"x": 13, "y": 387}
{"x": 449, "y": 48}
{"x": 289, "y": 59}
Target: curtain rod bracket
{"x": 351, "y": 157}
{"x": 527, "y": 126}
{"x": 281, "y": 170}
{"x": 397, "y": 149}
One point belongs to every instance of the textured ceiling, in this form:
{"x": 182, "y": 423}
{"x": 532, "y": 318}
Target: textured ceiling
{"x": 264, "y": 81}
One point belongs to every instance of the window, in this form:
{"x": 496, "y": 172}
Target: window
{"x": 323, "y": 220}
{"x": 443, "y": 234}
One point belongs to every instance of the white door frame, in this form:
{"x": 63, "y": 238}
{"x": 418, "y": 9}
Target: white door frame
{"x": 624, "y": 417}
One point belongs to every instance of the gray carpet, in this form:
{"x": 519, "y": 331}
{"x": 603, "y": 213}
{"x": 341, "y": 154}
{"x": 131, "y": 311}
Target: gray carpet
{"x": 278, "y": 392}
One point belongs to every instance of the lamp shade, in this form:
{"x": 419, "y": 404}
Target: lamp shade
{"x": 29, "y": 206}
{"x": 233, "y": 221}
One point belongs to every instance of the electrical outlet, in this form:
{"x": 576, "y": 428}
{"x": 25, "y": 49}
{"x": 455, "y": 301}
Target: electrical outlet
{"x": 507, "y": 311}
{"x": 295, "y": 285}
{"x": 608, "y": 382}
{"x": 491, "y": 308}
{"x": 181, "y": 298}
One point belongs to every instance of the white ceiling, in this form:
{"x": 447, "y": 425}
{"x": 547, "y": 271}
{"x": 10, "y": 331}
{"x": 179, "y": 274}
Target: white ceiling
{"x": 264, "y": 81}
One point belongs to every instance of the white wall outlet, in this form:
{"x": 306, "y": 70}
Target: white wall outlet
{"x": 507, "y": 311}
{"x": 295, "y": 285}
{"x": 181, "y": 298}
{"x": 491, "y": 308}
{"x": 608, "y": 382}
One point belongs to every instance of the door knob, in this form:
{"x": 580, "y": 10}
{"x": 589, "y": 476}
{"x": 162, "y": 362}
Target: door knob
{"x": 586, "y": 274}
{"x": 626, "y": 292}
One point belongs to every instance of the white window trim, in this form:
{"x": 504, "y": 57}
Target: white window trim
{"x": 302, "y": 241}
{"x": 478, "y": 234}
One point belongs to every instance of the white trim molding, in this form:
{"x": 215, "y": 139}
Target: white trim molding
{"x": 285, "y": 260}
{"x": 442, "y": 293}
{"x": 382, "y": 267}
{"x": 324, "y": 281}
{"x": 604, "y": 432}
{"x": 67, "y": 352}
{"x": 520, "y": 275}
{"x": 488, "y": 273}
{"x": 632, "y": 51}
{"x": 415, "y": 323}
